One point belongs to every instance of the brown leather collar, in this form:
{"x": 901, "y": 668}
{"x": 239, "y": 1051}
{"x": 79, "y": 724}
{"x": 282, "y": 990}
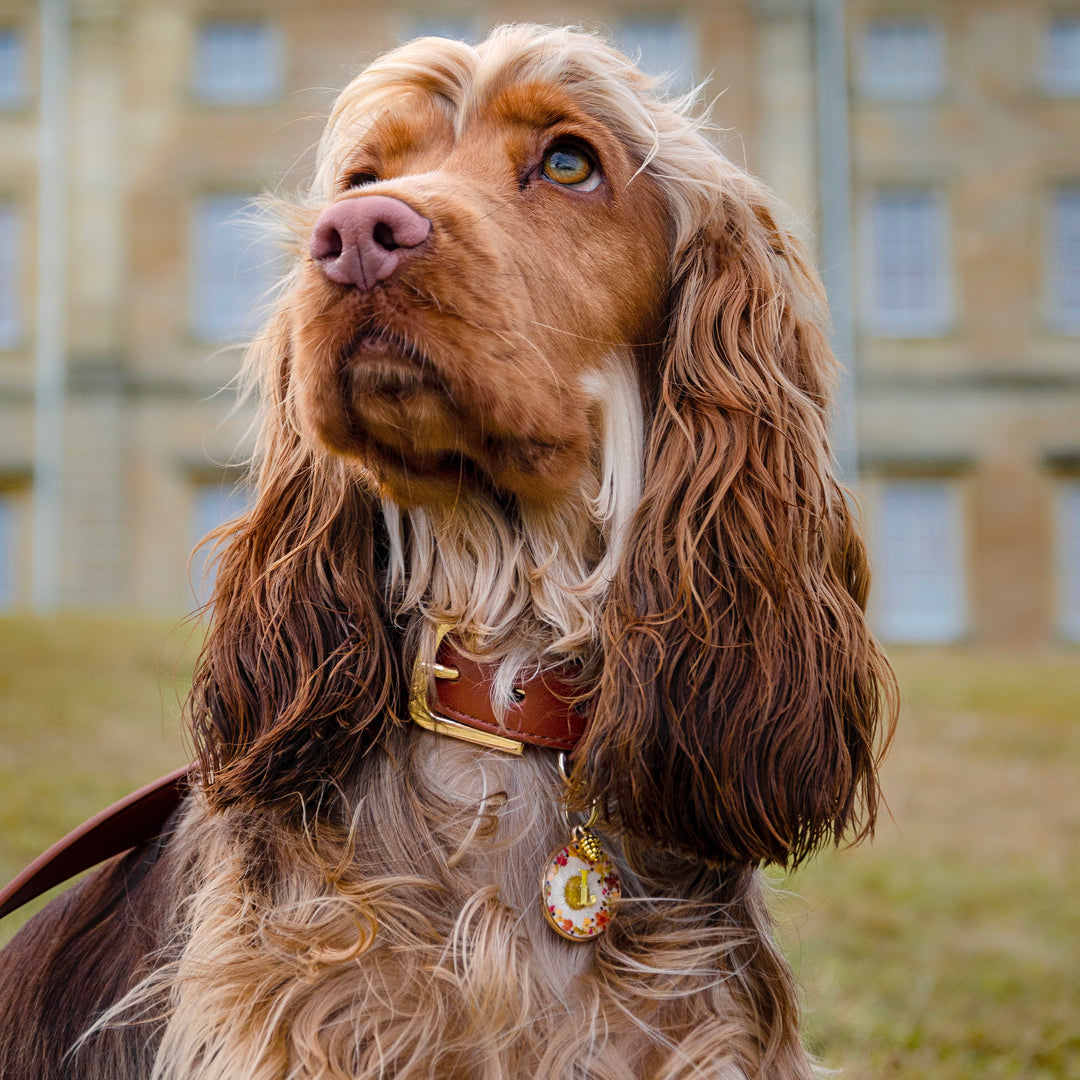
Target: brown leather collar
{"x": 544, "y": 715}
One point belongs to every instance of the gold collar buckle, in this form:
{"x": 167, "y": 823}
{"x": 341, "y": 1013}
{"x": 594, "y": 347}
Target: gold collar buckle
{"x": 421, "y": 712}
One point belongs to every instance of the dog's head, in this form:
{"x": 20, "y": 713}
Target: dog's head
{"x": 484, "y": 245}
{"x": 491, "y": 233}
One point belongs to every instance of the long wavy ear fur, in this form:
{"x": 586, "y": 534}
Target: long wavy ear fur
{"x": 298, "y": 675}
{"x": 742, "y": 693}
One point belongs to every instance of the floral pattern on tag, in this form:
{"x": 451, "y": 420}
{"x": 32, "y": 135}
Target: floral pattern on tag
{"x": 578, "y": 892}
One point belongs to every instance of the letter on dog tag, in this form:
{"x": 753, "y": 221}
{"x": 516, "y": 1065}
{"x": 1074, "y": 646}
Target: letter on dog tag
{"x": 578, "y": 890}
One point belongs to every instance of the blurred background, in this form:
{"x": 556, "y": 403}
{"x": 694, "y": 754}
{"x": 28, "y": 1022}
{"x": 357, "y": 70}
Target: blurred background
{"x": 930, "y": 152}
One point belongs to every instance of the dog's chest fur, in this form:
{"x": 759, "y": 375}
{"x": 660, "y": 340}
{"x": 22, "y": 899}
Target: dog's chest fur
{"x": 412, "y": 944}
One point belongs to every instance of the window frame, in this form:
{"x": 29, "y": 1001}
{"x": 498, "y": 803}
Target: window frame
{"x": 227, "y": 496}
{"x": 1067, "y": 557}
{"x": 14, "y": 92}
{"x": 215, "y": 241}
{"x": 464, "y": 26}
{"x": 918, "y": 624}
{"x": 873, "y": 79}
{"x": 884, "y": 321}
{"x": 12, "y": 254}
{"x": 683, "y": 77}
{"x": 220, "y": 87}
{"x": 1061, "y": 318}
{"x": 9, "y": 552}
{"x": 1062, "y": 82}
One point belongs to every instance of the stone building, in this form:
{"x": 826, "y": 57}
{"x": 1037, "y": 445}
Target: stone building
{"x": 963, "y": 122}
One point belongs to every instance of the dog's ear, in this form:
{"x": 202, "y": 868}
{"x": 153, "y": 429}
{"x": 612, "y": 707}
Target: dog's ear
{"x": 298, "y": 674}
{"x": 742, "y": 694}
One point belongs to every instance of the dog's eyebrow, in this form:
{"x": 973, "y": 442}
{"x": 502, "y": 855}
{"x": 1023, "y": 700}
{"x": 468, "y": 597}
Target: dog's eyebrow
{"x": 536, "y": 104}
{"x": 397, "y": 130}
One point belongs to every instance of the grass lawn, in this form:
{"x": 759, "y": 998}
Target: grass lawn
{"x": 949, "y": 949}
{"x": 89, "y": 711}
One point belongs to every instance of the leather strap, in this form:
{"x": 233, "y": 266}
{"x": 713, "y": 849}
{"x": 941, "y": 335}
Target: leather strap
{"x": 134, "y": 820}
{"x": 544, "y": 715}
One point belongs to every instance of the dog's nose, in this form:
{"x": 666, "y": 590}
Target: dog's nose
{"x": 363, "y": 240}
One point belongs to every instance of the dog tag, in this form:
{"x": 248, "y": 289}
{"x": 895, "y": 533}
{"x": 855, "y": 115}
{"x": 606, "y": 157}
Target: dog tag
{"x": 579, "y": 887}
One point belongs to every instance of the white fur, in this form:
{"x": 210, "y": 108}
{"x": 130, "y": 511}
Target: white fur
{"x": 528, "y": 596}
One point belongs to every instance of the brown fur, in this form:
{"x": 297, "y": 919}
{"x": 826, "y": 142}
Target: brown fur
{"x": 347, "y": 896}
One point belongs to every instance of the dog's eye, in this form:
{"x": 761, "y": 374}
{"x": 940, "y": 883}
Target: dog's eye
{"x": 570, "y": 167}
{"x": 360, "y": 179}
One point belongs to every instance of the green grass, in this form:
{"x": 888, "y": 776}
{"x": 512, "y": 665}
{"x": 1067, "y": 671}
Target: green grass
{"x": 949, "y": 949}
{"x": 945, "y": 950}
{"x": 89, "y": 711}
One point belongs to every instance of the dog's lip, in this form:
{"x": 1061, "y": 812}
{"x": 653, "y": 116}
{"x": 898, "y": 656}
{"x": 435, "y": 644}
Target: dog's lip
{"x": 384, "y": 342}
{"x": 380, "y": 357}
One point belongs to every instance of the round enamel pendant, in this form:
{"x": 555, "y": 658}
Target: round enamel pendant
{"x": 579, "y": 889}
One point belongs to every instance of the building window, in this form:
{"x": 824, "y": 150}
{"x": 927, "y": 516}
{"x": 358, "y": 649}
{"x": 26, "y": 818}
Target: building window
{"x": 901, "y": 60}
{"x": 1069, "y": 557}
{"x": 455, "y": 27}
{"x": 907, "y": 251}
{"x": 8, "y": 553}
{"x": 232, "y": 267}
{"x": 12, "y": 75}
{"x": 236, "y": 63}
{"x": 919, "y": 557}
{"x": 10, "y": 247}
{"x": 1064, "y": 260}
{"x": 213, "y": 503}
{"x": 1062, "y": 56}
{"x": 663, "y": 47}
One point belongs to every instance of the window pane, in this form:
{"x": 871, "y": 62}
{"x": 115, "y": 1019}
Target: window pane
{"x": 1065, "y": 259}
{"x": 666, "y": 47}
{"x": 236, "y": 63}
{"x": 213, "y": 504}
{"x": 7, "y": 554}
{"x": 455, "y": 27}
{"x": 232, "y": 266}
{"x": 908, "y": 282}
{"x": 1063, "y": 55}
{"x": 902, "y": 60}
{"x": 10, "y": 244}
{"x": 12, "y": 88}
{"x": 919, "y": 559}
{"x": 1069, "y": 558}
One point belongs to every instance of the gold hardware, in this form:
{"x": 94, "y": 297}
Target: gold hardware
{"x": 588, "y": 843}
{"x": 577, "y": 891}
{"x": 423, "y": 716}
{"x": 572, "y": 910}
{"x": 441, "y": 671}
{"x": 420, "y": 709}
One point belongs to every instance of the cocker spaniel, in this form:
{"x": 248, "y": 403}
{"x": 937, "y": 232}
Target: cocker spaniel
{"x": 544, "y": 633}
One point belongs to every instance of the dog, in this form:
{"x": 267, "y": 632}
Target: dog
{"x": 544, "y": 424}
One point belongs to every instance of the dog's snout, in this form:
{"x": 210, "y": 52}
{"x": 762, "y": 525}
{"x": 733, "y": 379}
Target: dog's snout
{"x": 364, "y": 240}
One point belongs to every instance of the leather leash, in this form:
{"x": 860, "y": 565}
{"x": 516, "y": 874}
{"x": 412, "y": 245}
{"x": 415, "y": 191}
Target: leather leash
{"x": 542, "y": 716}
{"x": 135, "y": 819}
